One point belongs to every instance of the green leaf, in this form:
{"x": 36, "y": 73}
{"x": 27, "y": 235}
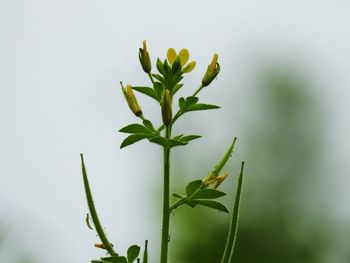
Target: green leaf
{"x": 134, "y": 128}
{"x": 177, "y": 137}
{"x": 158, "y": 77}
{"x": 173, "y": 143}
{"x": 208, "y": 193}
{"x": 147, "y": 91}
{"x": 133, "y": 253}
{"x": 192, "y": 187}
{"x": 177, "y": 87}
{"x": 99, "y": 261}
{"x": 148, "y": 124}
{"x": 181, "y": 103}
{"x": 201, "y": 106}
{"x": 178, "y": 195}
{"x": 160, "y": 66}
{"x": 208, "y": 203}
{"x": 159, "y": 140}
{"x": 188, "y": 138}
{"x": 114, "y": 259}
{"x": 134, "y": 138}
{"x": 159, "y": 90}
{"x": 190, "y": 101}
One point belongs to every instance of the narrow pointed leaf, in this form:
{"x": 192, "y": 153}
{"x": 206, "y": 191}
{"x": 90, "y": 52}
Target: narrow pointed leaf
{"x": 208, "y": 193}
{"x": 192, "y": 187}
{"x": 208, "y": 203}
{"x": 177, "y": 137}
{"x": 134, "y": 128}
{"x": 188, "y": 138}
{"x": 148, "y": 124}
{"x": 232, "y": 234}
{"x": 202, "y": 106}
{"x": 177, "y": 87}
{"x": 133, "y": 138}
{"x": 147, "y": 91}
{"x": 159, "y": 90}
{"x": 133, "y": 253}
{"x": 159, "y": 140}
{"x": 158, "y": 77}
{"x": 173, "y": 143}
{"x": 178, "y": 195}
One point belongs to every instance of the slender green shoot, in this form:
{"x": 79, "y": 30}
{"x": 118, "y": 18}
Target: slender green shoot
{"x": 93, "y": 212}
{"x": 232, "y": 235}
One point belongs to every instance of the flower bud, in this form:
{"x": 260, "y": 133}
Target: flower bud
{"x": 167, "y": 108}
{"x": 131, "y": 100}
{"x": 100, "y": 245}
{"x": 144, "y": 58}
{"x": 212, "y": 71}
{"x": 215, "y": 181}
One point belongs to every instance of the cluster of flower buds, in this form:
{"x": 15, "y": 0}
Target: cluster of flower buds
{"x": 171, "y": 73}
{"x": 212, "y": 71}
{"x": 131, "y": 100}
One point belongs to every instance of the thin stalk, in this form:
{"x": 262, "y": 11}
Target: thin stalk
{"x": 151, "y": 77}
{"x": 93, "y": 212}
{"x": 232, "y": 234}
{"x": 166, "y": 201}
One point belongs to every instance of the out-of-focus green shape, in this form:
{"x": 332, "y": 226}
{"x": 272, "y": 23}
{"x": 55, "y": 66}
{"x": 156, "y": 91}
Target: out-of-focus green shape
{"x": 283, "y": 149}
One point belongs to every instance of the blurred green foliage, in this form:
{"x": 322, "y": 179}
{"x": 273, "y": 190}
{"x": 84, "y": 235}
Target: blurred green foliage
{"x": 278, "y": 222}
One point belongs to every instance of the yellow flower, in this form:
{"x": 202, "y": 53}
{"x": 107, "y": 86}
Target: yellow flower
{"x": 131, "y": 100}
{"x": 171, "y": 55}
{"x": 184, "y": 56}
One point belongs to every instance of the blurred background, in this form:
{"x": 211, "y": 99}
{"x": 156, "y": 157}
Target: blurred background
{"x": 283, "y": 90}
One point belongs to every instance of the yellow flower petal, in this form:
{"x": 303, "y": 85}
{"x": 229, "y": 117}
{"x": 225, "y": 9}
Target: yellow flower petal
{"x": 184, "y": 56}
{"x": 189, "y": 67}
{"x": 171, "y": 55}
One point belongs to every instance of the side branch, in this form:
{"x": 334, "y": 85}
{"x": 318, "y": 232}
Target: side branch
{"x": 93, "y": 212}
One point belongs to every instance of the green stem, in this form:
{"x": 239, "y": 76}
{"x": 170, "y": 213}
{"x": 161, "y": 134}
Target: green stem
{"x": 166, "y": 201}
{"x": 232, "y": 234}
{"x": 151, "y": 77}
{"x": 198, "y": 90}
{"x": 93, "y": 212}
